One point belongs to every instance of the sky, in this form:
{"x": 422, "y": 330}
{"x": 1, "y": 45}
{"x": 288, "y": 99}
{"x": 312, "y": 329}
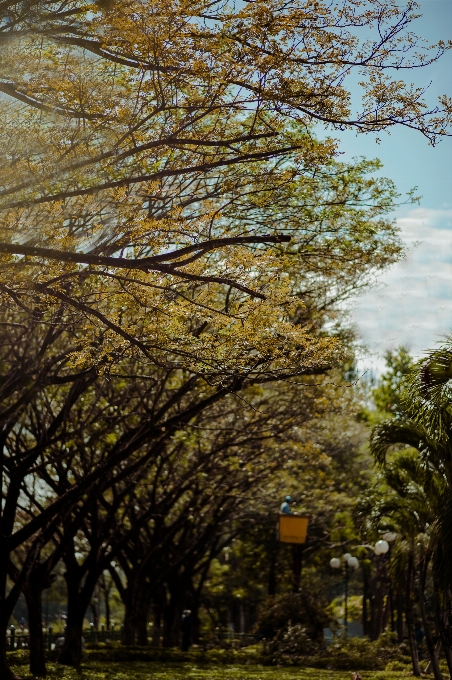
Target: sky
{"x": 412, "y": 304}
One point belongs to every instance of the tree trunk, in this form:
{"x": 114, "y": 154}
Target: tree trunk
{"x": 6, "y": 608}
{"x": 428, "y": 633}
{"x": 386, "y": 614}
{"x": 128, "y": 628}
{"x": 272, "y": 571}
{"x": 71, "y": 654}
{"x": 391, "y": 606}
{"x": 77, "y": 604}
{"x": 81, "y": 581}
{"x": 33, "y": 595}
{"x": 375, "y": 610}
{"x": 410, "y": 618}
{"x": 172, "y": 612}
{"x": 171, "y": 624}
{"x": 142, "y": 615}
{"x": 158, "y": 612}
{"x": 443, "y": 630}
{"x": 137, "y": 602}
{"x": 381, "y": 616}
{"x": 107, "y": 589}
{"x": 142, "y": 629}
{"x": 400, "y": 623}
{"x": 5, "y": 671}
{"x": 297, "y": 553}
{"x": 95, "y": 609}
{"x": 365, "y": 600}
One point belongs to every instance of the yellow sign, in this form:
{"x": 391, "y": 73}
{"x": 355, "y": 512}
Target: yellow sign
{"x": 292, "y": 528}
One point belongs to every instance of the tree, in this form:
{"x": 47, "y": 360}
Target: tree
{"x": 323, "y": 471}
{"x": 41, "y": 362}
{"x": 388, "y": 395}
{"x": 422, "y": 480}
{"x": 127, "y": 132}
{"x": 406, "y": 499}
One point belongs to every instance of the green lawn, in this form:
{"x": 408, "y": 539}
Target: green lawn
{"x": 151, "y": 670}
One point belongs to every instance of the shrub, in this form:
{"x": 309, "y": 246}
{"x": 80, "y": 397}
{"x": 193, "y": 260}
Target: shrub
{"x": 308, "y": 609}
{"x": 360, "y": 653}
{"x": 294, "y": 641}
{"x": 295, "y": 647}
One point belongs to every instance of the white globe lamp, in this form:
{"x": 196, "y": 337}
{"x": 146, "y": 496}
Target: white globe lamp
{"x": 381, "y": 547}
{"x": 353, "y": 562}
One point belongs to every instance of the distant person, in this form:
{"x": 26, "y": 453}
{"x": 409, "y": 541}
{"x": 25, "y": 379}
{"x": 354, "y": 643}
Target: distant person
{"x": 285, "y": 506}
{"x": 22, "y": 623}
{"x": 186, "y": 626}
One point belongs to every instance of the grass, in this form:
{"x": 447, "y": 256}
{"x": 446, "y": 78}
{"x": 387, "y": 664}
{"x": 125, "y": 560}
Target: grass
{"x": 154, "y": 670}
{"x": 111, "y": 661}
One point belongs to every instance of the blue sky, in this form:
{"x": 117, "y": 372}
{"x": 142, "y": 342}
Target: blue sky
{"x": 413, "y": 302}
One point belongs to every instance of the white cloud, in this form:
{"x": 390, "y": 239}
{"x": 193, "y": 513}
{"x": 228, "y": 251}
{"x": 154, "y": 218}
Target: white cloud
{"x": 413, "y": 303}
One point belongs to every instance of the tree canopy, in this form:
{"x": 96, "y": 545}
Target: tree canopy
{"x": 155, "y": 151}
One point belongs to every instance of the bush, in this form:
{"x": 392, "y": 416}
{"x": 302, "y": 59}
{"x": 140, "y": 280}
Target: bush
{"x": 20, "y": 657}
{"x": 294, "y": 641}
{"x": 296, "y": 648}
{"x": 308, "y": 609}
{"x": 115, "y": 652}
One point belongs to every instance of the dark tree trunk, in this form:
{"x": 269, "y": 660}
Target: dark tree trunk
{"x": 429, "y": 640}
{"x": 386, "y": 614}
{"x": 107, "y": 589}
{"x": 427, "y": 630}
{"x": 376, "y": 609}
{"x": 272, "y": 571}
{"x": 443, "y": 629}
{"x": 81, "y": 581}
{"x": 297, "y": 553}
{"x": 71, "y": 654}
{"x": 33, "y": 595}
{"x": 172, "y": 612}
{"x": 365, "y": 600}
{"x": 383, "y": 602}
{"x": 77, "y": 604}
{"x": 137, "y": 601}
{"x": 142, "y": 616}
{"x": 107, "y": 611}
{"x": 128, "y": 628}
{"x": 391, "y": 606}
{"x": 171, "y": 624}
{"x": 6, "y": 608}
{"x": 5, "y": 671}
{"x": 95, "y": 608}
{"x": 410, "y": 618}
{"x": 142, "y": 628}
{"x": 400, "y": 622}
{"x": 448, "y": 620}
{"x": 159, "y": 602}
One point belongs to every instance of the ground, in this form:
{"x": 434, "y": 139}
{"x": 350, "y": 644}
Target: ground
{"x": 146, "y": 670}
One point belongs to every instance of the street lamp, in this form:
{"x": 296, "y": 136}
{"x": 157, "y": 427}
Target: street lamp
{"x": 350, "y": 564}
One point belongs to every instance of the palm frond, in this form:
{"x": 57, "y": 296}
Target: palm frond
{"x": 396, "y": 431}
{"x": 429, "y": 391}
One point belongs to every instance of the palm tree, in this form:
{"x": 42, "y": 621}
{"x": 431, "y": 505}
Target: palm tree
{"x": 421, "y": 480}
{"x": 399, "y": 503}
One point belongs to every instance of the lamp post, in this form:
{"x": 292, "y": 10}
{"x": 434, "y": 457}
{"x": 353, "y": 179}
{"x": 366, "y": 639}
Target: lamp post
{"x": 292, "y": 528}
{"x": 350, "y": 563}
{"x": 380, "y": 548}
